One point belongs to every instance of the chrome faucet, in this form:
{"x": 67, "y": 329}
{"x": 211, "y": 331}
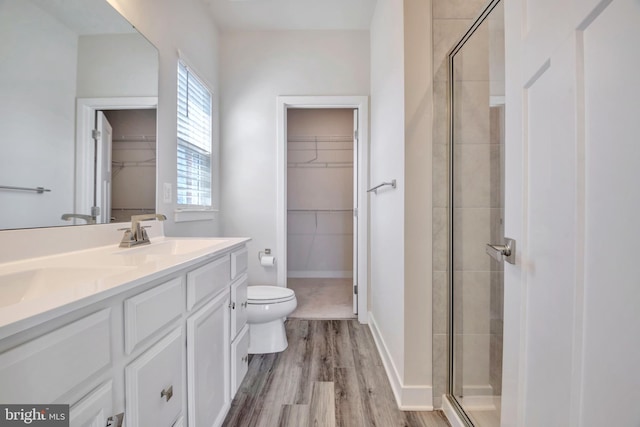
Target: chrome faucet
{"x": 137, "y": 235}
{"x": 68, "y": 216}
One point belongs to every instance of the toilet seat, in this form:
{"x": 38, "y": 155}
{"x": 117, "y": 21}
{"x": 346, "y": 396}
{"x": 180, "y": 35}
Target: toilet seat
{"x": 269, "y": 294}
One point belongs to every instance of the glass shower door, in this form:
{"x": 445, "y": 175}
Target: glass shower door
{"x": 477, "y": 200}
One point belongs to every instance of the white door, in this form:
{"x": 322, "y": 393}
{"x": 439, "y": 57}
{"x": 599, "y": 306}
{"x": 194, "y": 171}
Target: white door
{"x": 355, "y": 211}
{"x": 208, "y": 364}
{"x": 103, "y": 167}
{"x": 571, "y": 328}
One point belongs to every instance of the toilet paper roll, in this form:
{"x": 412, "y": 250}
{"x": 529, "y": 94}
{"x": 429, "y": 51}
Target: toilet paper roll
{"x": 267, "y": 260}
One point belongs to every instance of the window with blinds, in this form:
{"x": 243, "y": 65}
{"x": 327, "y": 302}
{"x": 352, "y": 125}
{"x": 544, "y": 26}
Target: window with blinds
{"x": 194, "y": 141}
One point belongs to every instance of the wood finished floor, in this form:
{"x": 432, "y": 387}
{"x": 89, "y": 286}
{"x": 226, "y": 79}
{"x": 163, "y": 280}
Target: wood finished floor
{"x": 330, "y": 375}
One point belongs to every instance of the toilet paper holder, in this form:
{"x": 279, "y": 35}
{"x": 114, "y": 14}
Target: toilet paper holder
{"x": 263, "y": 253}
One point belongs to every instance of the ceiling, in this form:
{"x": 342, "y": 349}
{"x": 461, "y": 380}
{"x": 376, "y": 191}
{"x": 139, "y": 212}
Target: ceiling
{"x": 260, "y": 15}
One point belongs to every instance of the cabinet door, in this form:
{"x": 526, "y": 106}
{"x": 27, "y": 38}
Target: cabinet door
{"x": 239, "y": 359}
{"x": 238, "y": 305}
{"x": 208, "y": 366}
{"x": 154, "y": 384}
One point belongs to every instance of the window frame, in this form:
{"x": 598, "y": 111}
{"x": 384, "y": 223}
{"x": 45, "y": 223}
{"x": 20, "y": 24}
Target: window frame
{"x": 196, "y": 212}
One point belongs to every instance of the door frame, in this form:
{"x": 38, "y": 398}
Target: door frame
{"x": 85, "y": 116}
{"x": 361, "y": 103}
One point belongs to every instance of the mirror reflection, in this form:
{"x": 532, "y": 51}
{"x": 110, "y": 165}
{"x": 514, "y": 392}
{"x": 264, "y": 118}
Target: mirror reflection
{"x": 79, "y": 90}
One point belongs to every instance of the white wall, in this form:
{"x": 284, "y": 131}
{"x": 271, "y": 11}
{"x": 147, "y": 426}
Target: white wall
{"x": 401, "y": 219}
{"x": 256, "y": 68}
{"x": 186, "y": 26}
{"x": 387, "y": 162}
{"x": 37, "y": 79}
{"x": 111, "y": 65}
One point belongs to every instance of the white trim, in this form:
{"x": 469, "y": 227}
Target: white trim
{"x": 408, "y": 397}
{"x": 416, "y": 398}
{"x": 85, "y": 112}
{"x": 452, "y": 416}
{"x": 362, "y": 104}
{"x": 320, "y": 274}
{"x": 186, "y": 61}
{"x": 186, "y": 215}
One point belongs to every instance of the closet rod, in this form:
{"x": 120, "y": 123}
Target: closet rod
{"x": 337, "y": 138}
{"x": 134, "y": 138}
{"x": 319, "y": 165}
{"x": 143, "y": 163}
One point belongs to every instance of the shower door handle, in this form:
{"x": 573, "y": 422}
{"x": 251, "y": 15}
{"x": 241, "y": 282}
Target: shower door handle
{"x": 506, "y": 252}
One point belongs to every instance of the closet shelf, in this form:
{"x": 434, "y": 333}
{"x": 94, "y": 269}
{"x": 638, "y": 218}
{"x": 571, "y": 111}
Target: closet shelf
{"x": 326, "y": 138}
{"x": 133, "y": 138}
{"x": 151, "y": 210}
{"x": 319, "y": 210}
{"x": 320, "y": 149}
{"x": 150, "y": 162}
{"x": 320, "y": 165}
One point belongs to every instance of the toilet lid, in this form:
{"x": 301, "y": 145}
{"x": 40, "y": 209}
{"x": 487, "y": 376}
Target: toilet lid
{"x": 268, "y": 294}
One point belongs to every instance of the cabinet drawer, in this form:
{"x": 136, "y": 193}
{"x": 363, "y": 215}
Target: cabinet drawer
{"x": 148, "y": 312}
{"x": 47, "y": 367}
{"x": 239, "y": 359}
{"x": 238, "y": 304}
{"x": 239, "y": 262}
{"x": 207, "y": 281}
{"x": 93, "y": 409}
{"x": 154, "y": 384}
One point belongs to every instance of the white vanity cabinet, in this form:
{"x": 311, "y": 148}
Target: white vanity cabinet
{"x": 239, "y": 327}
{"x": 169, "y": 351}
{"x": 239, "y": 332}
{"x": 208, "y": 373}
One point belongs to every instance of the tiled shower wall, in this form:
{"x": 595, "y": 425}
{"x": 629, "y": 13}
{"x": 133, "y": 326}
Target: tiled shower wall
{"x": 451, "y": 18}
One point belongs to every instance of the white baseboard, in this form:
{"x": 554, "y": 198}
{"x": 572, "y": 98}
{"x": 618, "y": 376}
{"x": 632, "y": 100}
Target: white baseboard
{"x": 408, "y": 397}
{"x": 320, "y": 274}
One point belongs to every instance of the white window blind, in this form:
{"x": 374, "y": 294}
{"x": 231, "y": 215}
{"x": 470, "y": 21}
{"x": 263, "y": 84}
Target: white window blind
{"x": 194, "y": 141}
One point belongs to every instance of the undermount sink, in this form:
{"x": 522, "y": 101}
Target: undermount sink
{"x": 35, "y": 283}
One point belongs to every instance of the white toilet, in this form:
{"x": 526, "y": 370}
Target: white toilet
{"x": 267, "y": 307}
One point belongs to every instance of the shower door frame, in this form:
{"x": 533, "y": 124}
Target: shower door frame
{"x": 457, "y": 407}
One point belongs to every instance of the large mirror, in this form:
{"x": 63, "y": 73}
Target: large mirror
{"x": 79, "y": 89}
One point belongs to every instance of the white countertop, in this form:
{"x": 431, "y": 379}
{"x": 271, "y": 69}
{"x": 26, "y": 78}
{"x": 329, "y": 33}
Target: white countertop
{"x": 35, "y": 290}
